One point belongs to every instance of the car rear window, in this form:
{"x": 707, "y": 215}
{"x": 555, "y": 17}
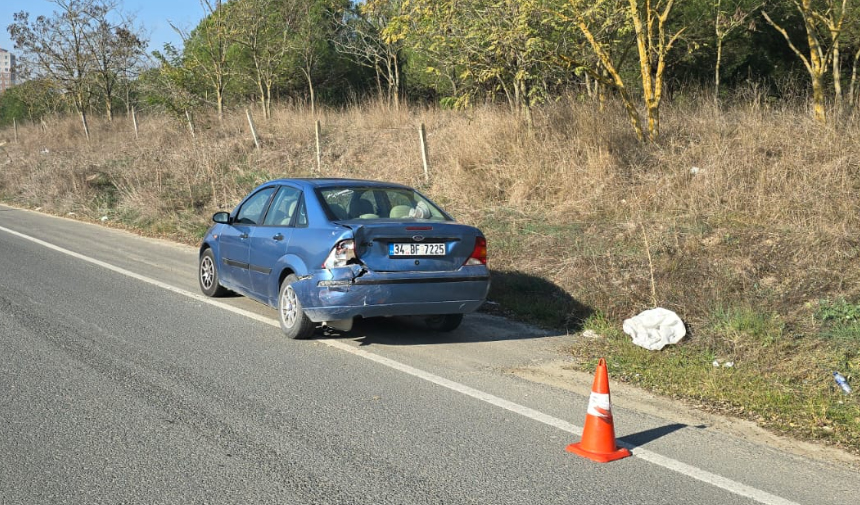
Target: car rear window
{"x": 346, "y": 203}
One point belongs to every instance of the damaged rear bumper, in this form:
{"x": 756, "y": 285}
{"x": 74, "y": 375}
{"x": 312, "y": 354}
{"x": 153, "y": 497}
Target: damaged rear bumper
{"x": 344, "y": 293}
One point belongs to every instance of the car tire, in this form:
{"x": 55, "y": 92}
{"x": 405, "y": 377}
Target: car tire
{"x": 443, "y": 322}
{"x": 207, "y": 276}
{"x": 294, "y": 323}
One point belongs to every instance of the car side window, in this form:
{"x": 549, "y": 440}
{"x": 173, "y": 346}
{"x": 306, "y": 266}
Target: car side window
{"x": 252, "y": 210}
{"x": 283, "y": 207}
{"x": 302, "y": 215}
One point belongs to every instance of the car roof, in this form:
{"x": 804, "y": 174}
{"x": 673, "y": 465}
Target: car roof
{"x": 336, "y": 182}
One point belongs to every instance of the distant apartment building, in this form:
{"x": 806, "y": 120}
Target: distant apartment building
{"x": 7, "y": 70}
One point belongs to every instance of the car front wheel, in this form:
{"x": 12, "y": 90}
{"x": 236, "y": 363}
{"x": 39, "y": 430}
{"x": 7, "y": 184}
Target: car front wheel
{"x": 208, "y": 275}
{"x": 291, "y": 315}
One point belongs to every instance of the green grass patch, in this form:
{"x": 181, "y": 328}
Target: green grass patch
{"x": 839, "y": 319}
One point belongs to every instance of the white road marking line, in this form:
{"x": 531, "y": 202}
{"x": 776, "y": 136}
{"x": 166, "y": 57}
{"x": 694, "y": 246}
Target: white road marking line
{"x": 652, "y": 457}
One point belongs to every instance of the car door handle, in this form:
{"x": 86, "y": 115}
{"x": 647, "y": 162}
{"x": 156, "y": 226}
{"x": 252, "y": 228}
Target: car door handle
{"x": 278, "y": 237}
{"x": 243, "y": 236}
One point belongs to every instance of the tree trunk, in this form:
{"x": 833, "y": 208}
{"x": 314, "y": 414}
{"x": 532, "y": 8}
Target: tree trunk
{"x": 310, "y": 90}
{"x": 128, "y": 106}
{"x": 817, "y": 63}
{"x": 588, "y": 90}
{"x": 396, "y": 83}
{"x": 262, "y": 91}
{"x": 516, "y": 104}
{"x": 818, "y": 98}
{"x": 268, "y": 100}
{"x": 837, "y": 78}
{"x": 379, "y": 91}
{"x": 86, "y": 125}
{"x": 852, "y": 88}
{"x": 526, "y": 105}
{"x": 600, "y": 88}
{"x": 653, "y": 119}
{"x": 650, "y": 83}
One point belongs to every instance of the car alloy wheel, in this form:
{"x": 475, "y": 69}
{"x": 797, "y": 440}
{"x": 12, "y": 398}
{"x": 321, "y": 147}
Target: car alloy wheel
{"x": 294, "y": 322}
{"x": 208, "y": 275}
{"x": 289, "y": 309}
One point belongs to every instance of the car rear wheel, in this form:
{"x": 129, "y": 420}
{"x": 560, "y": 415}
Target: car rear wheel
{"x": 208, "y": 275}
{"x": 291, "y": 315}
{"x": 443, "y": 322}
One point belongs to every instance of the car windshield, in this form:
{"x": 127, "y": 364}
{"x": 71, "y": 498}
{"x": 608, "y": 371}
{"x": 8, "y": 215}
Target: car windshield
{"x": 344, "y": 203}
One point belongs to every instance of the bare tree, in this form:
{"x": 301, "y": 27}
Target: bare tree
{"x": 369, "y": 38}
{"x": 115, "y": 48}
{"x": 725, "y": 22}
{"x": 54, "y": 47}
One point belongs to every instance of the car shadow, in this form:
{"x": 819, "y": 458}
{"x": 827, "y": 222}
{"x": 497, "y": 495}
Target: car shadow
{"x": 520, "y": 306}
{"x": 534, "y": 299}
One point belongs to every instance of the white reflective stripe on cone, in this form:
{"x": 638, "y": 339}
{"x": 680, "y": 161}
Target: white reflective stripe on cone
{"x": 598, "y": 405}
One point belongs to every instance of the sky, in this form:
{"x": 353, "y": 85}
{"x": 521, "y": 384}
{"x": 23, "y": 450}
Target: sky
{"x": 154, "y": 16}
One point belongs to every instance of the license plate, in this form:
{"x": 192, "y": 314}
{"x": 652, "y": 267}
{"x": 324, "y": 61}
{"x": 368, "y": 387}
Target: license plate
{"x": 397, "y": 249}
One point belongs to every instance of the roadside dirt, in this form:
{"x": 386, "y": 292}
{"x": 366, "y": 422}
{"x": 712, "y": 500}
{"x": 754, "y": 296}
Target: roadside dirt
{"x": 558, "y": 374}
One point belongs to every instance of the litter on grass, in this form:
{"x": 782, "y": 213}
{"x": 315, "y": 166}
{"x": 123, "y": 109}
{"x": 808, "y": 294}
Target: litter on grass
{"x": 655, "y": 328}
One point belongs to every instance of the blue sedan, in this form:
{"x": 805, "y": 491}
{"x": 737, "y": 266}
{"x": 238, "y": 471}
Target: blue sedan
{"x": 325, "y": 251}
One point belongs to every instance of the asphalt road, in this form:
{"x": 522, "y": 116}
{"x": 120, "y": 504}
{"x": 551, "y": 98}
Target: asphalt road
{"x": 119, "y": 383}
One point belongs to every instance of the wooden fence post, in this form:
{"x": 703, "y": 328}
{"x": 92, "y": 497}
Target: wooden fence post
{"x": 15, "y": 123}
{"x": 86, "y": 125}
{"x": 190, "y": 123}
{"x": 319, "y": 149}
{"x": 422, "y": 136}
{"x": 253, "y": 128}
{"x": 134, "y": 121}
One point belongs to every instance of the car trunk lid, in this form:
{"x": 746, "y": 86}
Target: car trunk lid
{"x": 414, "y": 247}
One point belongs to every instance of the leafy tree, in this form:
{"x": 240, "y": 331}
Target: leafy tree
{"x": 171, "y": 86}
{"x": 649, "y": 21}
{"x": 488, "y": 47}
{"x": 822, "y": 20}
{"x": 262, "y": 35}
{"x": 308, "y": 42}
{"x": 206, "y": 50}
{"x": 33, "y": 99}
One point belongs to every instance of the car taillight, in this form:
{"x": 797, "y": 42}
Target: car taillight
{"x": 479, "y": 253}
{"x": 341, "y": 255}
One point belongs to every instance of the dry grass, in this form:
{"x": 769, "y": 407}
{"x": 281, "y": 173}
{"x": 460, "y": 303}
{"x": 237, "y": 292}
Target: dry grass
{"x": 739, "y": 219}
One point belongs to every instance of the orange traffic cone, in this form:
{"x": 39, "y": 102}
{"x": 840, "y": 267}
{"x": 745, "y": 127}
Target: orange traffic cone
{"x": 598, "y": 436}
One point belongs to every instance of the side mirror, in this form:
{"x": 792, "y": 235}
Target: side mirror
{"x": 221, "y": 217}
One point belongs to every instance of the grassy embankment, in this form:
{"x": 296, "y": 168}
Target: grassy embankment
{"x": 744, "y": 221}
